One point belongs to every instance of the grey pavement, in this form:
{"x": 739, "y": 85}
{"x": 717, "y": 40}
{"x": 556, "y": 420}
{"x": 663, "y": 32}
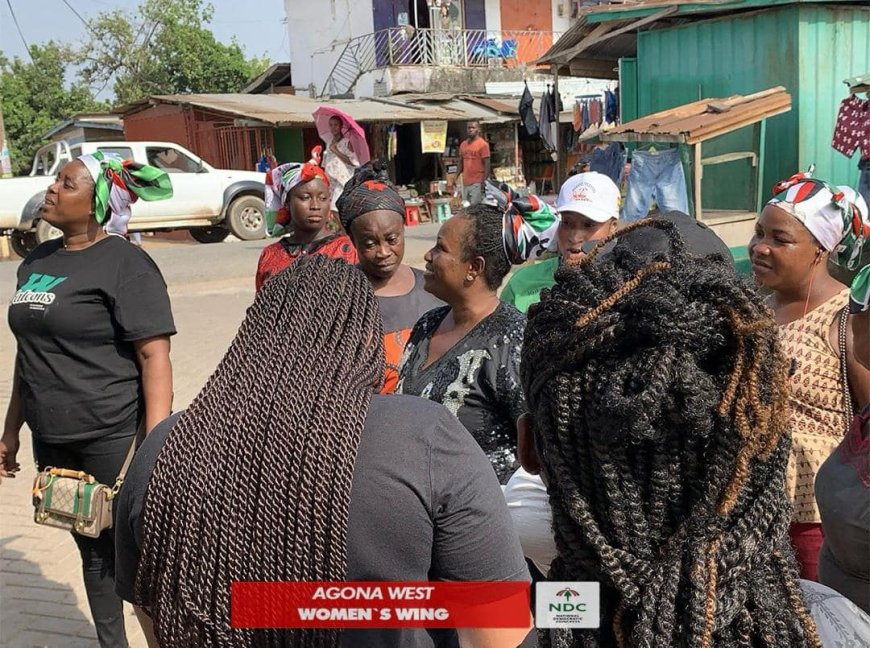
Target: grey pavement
{"x": 42, "y": 597}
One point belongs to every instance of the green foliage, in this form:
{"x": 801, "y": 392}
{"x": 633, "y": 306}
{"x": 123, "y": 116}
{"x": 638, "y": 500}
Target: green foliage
{"x": 163, "y": 48}
{"x": 36, "y": 98}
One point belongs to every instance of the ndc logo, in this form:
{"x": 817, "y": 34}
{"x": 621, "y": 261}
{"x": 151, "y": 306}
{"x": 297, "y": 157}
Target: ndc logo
{"x": 567, "y": 605}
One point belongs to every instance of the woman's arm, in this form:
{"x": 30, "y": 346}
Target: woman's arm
{"x": 147, "y": 626}
{"x": 10, "y": 442}
{"x": 152, "y": 355}
{"x": 859, "y": 375}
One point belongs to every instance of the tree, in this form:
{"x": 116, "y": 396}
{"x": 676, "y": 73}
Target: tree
{"x": 162, "y": 49}
{"x": 36, "y": 98}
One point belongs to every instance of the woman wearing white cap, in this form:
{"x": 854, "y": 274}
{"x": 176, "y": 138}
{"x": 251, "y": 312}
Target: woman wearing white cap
{"x": 805, "y": 223}
{"x": 588, "y": 206}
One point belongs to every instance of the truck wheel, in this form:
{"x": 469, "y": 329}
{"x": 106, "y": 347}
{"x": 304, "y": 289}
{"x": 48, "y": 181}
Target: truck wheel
{"x": 23, "y": 243}
{"x": 245, "y": 218}
{"x": 209, "y": 234}
{"x": 45, "y": 231}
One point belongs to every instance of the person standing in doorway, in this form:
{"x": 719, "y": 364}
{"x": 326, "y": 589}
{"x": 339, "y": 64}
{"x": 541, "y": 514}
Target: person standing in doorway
{"x": 474, "y": 164}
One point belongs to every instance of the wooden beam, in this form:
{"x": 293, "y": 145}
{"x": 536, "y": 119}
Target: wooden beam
{"x": 594, "y": 68}
{"x": 595, "y": 36}
{"x": 698, "y": 177}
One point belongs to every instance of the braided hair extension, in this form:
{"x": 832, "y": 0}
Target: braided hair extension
{"x": 659, "y": 392}
{"x": 484, "y": 239}
{"x": 254, "y": 480}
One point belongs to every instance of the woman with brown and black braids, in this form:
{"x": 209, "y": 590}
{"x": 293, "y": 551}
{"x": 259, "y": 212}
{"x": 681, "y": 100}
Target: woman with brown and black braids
{"x": 328, "y": 482}
{"x": 466, "y": 354}
{"x": 372, "y": 212}
{"x": 658, "y": 394}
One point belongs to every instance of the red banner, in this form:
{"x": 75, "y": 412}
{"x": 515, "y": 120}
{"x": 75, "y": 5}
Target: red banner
{"x": 380, "y": 605}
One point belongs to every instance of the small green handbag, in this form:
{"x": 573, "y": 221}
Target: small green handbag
{"x": 75, "y": 501}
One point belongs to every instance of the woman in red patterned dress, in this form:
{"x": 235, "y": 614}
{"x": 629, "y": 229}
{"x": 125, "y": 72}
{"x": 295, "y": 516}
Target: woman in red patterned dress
{"x": 302, "y": 190}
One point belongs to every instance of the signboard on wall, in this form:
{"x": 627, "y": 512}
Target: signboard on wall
{"x": 433, "y": 136}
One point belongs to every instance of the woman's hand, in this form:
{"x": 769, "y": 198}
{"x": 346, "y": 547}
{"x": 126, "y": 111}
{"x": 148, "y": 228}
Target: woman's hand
{"x": 10, "y": 442}
{"x": 9, "y": 445}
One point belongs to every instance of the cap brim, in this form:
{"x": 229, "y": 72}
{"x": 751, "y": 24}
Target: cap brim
{"x": 588, "y": 210}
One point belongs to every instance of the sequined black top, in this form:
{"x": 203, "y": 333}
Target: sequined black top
{"x": 478, "y": 380}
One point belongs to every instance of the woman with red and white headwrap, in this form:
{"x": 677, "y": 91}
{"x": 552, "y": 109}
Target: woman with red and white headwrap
{"x": 805, "y": 224}
{"x": 299, "y": 193}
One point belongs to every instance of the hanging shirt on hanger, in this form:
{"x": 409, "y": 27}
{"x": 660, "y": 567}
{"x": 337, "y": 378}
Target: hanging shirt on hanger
{"x": 527, "y": 113}
{"x": 853, "y": 127}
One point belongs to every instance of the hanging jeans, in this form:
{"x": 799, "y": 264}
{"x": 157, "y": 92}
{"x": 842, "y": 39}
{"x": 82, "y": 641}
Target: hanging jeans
{"x": 609, "y": 161}
{"x": 864, "y": 179}
{"x": 655, "y": 175}
{"x": 103, "y": 459}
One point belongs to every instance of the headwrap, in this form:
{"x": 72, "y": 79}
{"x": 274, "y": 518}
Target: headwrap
{"x": 859, "y": 293}
{"x": 119, "y": 183}
{"x": 368, "y": 190}
{"x": 530, "y": 224}
{"x": 836, "y": 216}
{"x": 281, "y": 180}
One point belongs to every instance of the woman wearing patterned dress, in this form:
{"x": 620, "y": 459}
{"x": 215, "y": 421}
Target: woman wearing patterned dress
{"x": 339, "y": 161}
{"x": 466, "y": 355}
{"x": 807, "y": 222}
{"x": 300, "y": 195}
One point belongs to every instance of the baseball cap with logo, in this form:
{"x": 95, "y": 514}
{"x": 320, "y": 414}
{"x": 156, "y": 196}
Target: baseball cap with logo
{"x": 592, "y": 194}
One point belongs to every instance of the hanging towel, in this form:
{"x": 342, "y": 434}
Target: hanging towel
{"x": 578, "y": 116}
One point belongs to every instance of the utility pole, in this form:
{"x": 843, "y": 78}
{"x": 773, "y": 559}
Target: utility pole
{"x": 5, "y": 161}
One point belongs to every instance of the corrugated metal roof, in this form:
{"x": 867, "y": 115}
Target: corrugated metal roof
{"x": 698, "y": 121}
{"x": 293, "y": 110}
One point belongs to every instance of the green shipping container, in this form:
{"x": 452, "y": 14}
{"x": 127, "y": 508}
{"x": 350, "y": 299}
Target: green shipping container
{"x": 807, "y": 48}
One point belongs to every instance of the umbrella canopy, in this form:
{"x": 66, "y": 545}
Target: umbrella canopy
{"x": 352, "y": 131}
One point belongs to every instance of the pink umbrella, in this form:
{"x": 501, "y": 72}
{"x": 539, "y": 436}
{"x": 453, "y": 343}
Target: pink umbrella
{"x": 352, "y": 131}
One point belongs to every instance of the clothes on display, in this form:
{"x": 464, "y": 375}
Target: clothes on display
{"x": 655, "y": 175}
{"x": 528, "y": 121}
{"x": 853, "y": 127}
{"x": 864, "y": 179}
{"x": 611, "y": 106}
{"x": 546, "y": 120}
{"x": 610, "y": 161}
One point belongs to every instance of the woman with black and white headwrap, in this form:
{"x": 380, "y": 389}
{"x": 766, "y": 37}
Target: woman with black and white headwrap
{"x": 466, "y": 355}
{"x": 92, "y": 321}
{"x": 372, "y": 212}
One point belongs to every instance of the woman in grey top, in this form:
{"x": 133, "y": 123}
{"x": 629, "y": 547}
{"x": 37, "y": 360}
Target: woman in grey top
{"x": 843, "y": 480}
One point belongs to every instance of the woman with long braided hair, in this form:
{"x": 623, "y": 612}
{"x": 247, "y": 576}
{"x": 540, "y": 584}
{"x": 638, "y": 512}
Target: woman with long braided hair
{"x": 658, "y": 393}
{"x": 285, "y": 469}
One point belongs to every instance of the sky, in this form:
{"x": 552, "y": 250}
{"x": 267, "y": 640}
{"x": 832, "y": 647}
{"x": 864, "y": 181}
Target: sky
{"x": 258, "y": 25}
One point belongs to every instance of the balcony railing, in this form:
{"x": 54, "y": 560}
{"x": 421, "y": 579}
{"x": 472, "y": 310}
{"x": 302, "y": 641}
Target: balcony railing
{"x": 435, "y": 47}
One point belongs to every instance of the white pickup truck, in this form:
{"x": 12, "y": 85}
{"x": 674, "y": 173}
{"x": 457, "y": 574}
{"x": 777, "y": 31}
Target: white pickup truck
{"x": 211, "y": 203}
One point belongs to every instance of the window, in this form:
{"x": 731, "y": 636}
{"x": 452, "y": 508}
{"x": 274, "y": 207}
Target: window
{"x": 171, "y": 160}
{"x": 123, "y": 152}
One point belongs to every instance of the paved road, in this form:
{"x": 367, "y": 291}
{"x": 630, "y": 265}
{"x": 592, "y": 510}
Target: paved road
{"x": 42, "y": 599}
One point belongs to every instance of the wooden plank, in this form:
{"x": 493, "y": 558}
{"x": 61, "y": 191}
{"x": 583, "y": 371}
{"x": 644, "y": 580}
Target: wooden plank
{"x": 598, "y": 69}
{"x": 728, "y": 104}
{"x": 631, "y": 136}
{"x": 717, "y": 128}
{"x": 599, "y": 36}
{"x": 762, "y": 135}
{"x": 698, "y": 173}
{"x": 730, "y": 157}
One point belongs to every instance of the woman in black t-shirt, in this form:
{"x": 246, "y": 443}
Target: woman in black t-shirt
{"x": 318, "y": 479}
{"x": 466, "y": 355}
{"x": 92, "y": 320}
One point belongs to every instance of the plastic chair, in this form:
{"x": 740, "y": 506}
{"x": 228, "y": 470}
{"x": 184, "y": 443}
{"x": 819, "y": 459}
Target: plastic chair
{"x": 412, "y": 215}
